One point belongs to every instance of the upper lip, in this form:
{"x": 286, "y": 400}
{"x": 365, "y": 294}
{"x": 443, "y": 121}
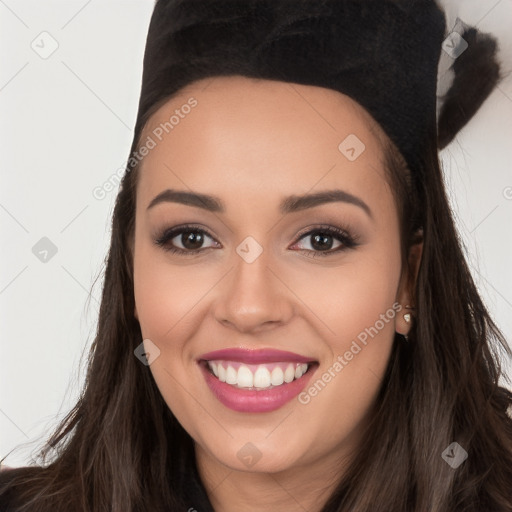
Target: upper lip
{"x": 255, "y": 356}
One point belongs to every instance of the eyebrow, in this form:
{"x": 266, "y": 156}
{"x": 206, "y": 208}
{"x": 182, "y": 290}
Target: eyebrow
{"x": 288, "y": 205}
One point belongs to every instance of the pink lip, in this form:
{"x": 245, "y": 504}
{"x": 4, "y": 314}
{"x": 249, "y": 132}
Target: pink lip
{"x": 259, "y": 356}
{"x": 250, "y": 400}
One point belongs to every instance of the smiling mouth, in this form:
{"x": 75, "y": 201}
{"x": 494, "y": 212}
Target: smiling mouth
{"x": 257, "y": 377}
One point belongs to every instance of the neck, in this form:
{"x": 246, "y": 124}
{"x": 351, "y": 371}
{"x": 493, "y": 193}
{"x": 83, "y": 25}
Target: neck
{"x": 296, "y": 489}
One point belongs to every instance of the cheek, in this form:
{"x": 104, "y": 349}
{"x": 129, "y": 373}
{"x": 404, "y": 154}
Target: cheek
{"x": 348, "y": 299}
{"x": 166, "y": 295}
{"x": 356, "y": 304}
{"x": 169, "y": 299}
{"x": 353, "y": 307}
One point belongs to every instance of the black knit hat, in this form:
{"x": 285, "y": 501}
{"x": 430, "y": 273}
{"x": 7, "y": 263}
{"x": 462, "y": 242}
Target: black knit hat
{"x": 384, "y": 54}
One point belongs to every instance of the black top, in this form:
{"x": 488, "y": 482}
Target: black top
{"x": 194, "y": 491}
{"x": 5, "y": 500}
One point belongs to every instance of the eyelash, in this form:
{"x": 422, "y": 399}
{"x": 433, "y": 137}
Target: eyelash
{"x": 348, "y": 241}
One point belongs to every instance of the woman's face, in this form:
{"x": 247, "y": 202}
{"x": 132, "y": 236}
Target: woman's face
{"x": 297, "y": 250}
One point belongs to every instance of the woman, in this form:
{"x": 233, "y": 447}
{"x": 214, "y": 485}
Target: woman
{"x": 288, "y": 321}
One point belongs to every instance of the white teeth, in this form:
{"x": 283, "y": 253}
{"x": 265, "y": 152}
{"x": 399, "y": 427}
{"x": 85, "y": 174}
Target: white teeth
{"x": 262, "y": 378}
{"x": 245, "y": 377}
{"x": 277, "y": 377}
{"x": 222, "y": 373}
{"x": 300, "y": 370}
{"x": 231, "y": 375}
{"x": 289, "y": 374}
{"x": 257, "y": 376}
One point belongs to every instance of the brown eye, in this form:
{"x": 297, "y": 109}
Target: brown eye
{"x": 191, "y": 239}
{"x": 320, "y": 241}
{"x": 185, "y": 240}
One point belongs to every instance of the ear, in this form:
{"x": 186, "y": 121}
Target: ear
{"x": 405, "y": 295}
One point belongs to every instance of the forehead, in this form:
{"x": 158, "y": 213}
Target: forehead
{"x": 242, "y": 135}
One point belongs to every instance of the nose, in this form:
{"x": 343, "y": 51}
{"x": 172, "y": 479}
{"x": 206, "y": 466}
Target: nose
{"x": 252, "y": 297}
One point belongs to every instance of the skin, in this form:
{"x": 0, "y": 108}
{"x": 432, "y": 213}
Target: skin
{"x": 252, "y": 143}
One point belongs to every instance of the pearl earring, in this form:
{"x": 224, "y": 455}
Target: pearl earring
{"x": 407, "y": 318}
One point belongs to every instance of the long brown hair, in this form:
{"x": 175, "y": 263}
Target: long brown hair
{"x": 120, "y": 449}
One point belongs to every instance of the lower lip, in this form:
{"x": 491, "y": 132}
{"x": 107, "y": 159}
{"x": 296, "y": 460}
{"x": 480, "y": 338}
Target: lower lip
{"x": 247, "y": 400}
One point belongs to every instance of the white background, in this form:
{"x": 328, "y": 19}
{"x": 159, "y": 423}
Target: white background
{"x": 66, "y": 126}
